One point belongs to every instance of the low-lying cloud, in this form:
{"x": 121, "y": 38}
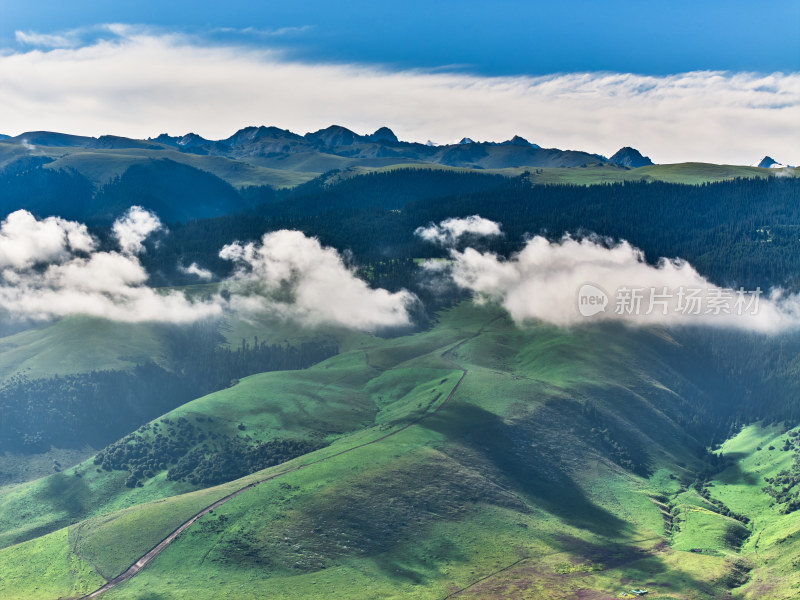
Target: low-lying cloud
{"x": 295, "y": 277}
{"x": 26, "y": 241}
{"x": 197, "y": 271}
{"x": 450, "y": 231}
{"x": 572, "y": 282}
{"x": 51, "y": 268}
{"x": 133, "y": 228}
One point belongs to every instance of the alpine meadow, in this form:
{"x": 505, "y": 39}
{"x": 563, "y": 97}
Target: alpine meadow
{"x": 358, "y": 364}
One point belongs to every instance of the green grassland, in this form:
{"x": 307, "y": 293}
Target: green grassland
{"x": 688, "y": 173}
{"x": 45, "y": 568}
{"x": 101, "y": 166}
{"x": 774, "y": 545}
{"x": 443, "y": 503}
{"x": 328, "y": 401}
{"x": 77, "y": 345}
{"x": 18, "y": 467}
{"x": 474, "y": 459}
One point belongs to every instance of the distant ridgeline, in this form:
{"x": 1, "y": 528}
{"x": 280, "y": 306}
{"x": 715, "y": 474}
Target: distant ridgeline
{"x": 63, "y": 411}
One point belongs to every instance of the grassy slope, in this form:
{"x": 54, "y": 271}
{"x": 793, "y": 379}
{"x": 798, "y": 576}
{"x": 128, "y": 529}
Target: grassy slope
{"x": 327, "y": 401}
{"x": 774, "y": 546}
{"x": 82, "y": 344}
{"x": 100, "y": 166}
{"x": 499, "y": 494}
{"x": 132, "y": 533}
{"x": 502, "y": 474}
{"x": 436, "y": 507}
{"x": 45, "y": 568}
{"x": 690, "y": 173}
{"x": 78, "y": 345}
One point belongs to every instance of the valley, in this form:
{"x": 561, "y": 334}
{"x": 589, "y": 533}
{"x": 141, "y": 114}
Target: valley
{"x": 370, "y": 426}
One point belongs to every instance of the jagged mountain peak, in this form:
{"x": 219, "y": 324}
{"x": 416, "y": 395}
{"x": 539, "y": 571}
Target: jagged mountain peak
{"x": 518, "y": 140}
{"x": 383, "y": 134}
{"x": 630, "y": 157}
{"x": 251, "y": 134}
{"x": 335, "y": 135}
{"x": 770, "y": 163}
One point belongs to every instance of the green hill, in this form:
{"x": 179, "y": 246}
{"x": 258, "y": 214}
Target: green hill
{"x": 70, "y": 387}
{"x": 471, "y": 458}
{"x": 475, "y": 459}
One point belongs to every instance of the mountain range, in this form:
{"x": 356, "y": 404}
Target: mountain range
{"x": 94, "y": 179}
{"x": 273, "y": 147}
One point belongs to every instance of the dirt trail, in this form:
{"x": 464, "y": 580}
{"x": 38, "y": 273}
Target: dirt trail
{"x": 159, "y": 548}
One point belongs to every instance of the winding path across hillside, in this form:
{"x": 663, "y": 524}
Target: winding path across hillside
{"x": 159, "y": 548}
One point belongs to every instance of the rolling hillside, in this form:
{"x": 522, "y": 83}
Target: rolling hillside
{"x": 457, "y": 456}
{"x": 472, "y": 460}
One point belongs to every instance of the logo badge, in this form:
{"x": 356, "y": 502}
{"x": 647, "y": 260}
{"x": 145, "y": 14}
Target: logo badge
{"x": 591, "y": 300}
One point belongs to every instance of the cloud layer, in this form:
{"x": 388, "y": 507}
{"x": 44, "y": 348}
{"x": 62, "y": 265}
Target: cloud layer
{"x": 295, "y": 277}
{"x": 141, "y": 82}
{"x": 545, "y": 279}
{"x": 52, "y": 268}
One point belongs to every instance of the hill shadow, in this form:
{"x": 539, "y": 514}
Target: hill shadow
{"x": 734, "y": 474}
{"x": 510, "y": 454}
{"x": 66, "y": 494}
{"x": 643, "y": 567}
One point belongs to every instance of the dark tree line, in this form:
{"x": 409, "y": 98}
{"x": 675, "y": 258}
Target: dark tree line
{"x": 784, "y": 487}
{"x": 738, "y": 233}
{"x": 193, "y": 452}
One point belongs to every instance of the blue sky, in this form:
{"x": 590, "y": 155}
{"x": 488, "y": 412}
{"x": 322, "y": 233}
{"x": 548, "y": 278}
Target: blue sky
{"x": 714, "y": 81}
{"x": 498, "y": 38}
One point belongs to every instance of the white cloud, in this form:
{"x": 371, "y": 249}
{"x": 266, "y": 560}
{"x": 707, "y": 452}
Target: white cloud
{"x": 295, "y": 277}
{"x": 542, "y": 282}
{"x": 196, "y": 270}
{"x": 32, "y": 38}
{"x": 25, "y": 241}
{"x": 140, "y": 82}
{"x": 50, "y": 269}
{"x": 450, "y": 231}
{"x": 81, "y": 36}
{"x": 133, "y": 228}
